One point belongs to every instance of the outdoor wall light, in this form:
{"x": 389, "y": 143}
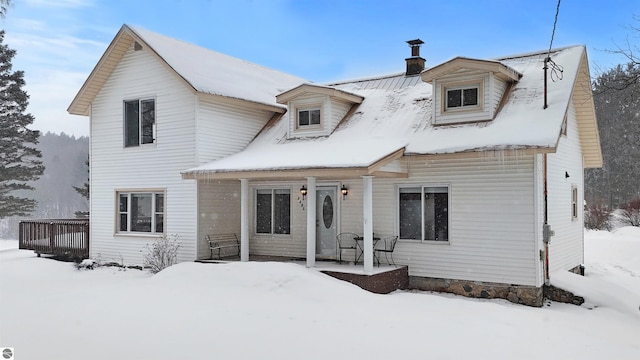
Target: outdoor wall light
{"x": 566, "y": 175}
{"x": 303, "y": 192}
{"x": 344, "y": 192}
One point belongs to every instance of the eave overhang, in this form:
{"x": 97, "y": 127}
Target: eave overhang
{"x": 500, "y": 70}
{"x": 288, "y": 95}
{"x": 377, "y": 169}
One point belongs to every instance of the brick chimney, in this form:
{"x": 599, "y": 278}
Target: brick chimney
{"x": 415, "y": 64}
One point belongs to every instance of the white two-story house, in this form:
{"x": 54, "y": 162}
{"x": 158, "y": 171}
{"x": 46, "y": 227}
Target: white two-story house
{"x": 475, "y": 165}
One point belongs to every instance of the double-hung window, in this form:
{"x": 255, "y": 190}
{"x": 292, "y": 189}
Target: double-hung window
{"x": 139, "y": 122}
{"x": 462, "y": 97}
{"x": 574, "y": 202}
{"x": 141, "y": 212}
{"x": 273, "y": 211}
{"x": 423, "y": 213}
{"x": 308, "y": 117}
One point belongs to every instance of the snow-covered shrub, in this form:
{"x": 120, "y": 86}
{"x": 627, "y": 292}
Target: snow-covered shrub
{"x": 630, "y": 213}
{"x": 597, "y": 217}
{"x": 87, "y": 264}
{"x": 162, "y": 253}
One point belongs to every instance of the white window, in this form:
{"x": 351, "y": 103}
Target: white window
{"x": 462, "y": 97}
{"x": 308, "y": 117}
{"x": 141, "y": 212}
{"x": 273, "y": 211}
{"x": 574, "y": 202}
{"x": 139, "y": 122}
{"x": 423, "y": 213}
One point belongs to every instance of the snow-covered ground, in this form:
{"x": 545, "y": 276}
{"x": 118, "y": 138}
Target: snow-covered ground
{"x": 50, "y": 310}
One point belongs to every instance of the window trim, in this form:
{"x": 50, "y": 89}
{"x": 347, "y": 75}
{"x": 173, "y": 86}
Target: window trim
{"x": 140, "y": 122}
{"x": 154, "y": 212}
{"x": 446, "y": 87}
{"x": 574, "y": 202}
{"x": 422, "y": 186}
{"x": 309, "y": 108}
{"x": 272, "y": 189}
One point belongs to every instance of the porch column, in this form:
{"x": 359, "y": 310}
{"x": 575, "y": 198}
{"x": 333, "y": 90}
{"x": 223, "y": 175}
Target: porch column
{"x": 244, "y": 220}
{"x": 367, "y": 223}
{"x": 311, "y": 221}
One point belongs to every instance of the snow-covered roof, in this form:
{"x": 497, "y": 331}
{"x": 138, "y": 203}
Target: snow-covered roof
{"x": 215, "y": 73}
{"x": 205, "y": 70}
{"x": 393, "y": 117}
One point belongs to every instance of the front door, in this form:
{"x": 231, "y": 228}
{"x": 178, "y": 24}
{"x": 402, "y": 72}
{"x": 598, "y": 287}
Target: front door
{"x": 326, "y": 224}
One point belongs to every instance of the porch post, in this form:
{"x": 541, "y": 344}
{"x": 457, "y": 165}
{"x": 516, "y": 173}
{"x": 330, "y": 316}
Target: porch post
{"x": 244, "y": 219}
{"x": 311, "y": 221}
{"x": 367, "y": 222}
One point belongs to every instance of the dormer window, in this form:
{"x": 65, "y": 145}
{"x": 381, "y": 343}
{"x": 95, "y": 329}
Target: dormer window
{"x": 314, "y": 110}
{"x": 308, "y": 117}
{"x": 463, "y": 97}
{"x": 468, "y": 90}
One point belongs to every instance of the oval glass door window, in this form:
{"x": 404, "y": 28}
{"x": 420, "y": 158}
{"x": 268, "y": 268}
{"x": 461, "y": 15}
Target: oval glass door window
{"x": 327, "y": 211}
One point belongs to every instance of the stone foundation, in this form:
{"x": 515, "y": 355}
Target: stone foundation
{"x": 519, "y": 294}
{"x": 556, "y": 294}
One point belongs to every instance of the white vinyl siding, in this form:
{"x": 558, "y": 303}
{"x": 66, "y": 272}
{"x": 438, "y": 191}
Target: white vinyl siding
{"x": 224, "y": 129}
{"x": 566, "y": 249}
{"x": 499, "y": 87}
{"x": 491, "y": 218}
{"x": 218, "y": 211}
{"x": 113, "y": 167}
{"x": 338, "y": 110}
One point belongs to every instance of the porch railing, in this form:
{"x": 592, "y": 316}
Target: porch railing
{"x": 61, "y": 237}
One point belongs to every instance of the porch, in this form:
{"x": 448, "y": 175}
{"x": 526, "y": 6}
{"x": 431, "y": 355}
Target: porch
{"x": 382, "y": 279}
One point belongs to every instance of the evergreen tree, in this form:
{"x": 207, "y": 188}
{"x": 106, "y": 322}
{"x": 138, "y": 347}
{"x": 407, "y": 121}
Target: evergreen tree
{"x": 84, "y": 191}
{"x": 19, "y": 159}
{"x": 618, "y": 113}
{"x": 4, "y": 5}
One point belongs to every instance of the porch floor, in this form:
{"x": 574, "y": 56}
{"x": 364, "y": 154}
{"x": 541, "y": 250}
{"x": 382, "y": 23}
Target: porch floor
{"x": 383, "y": 280}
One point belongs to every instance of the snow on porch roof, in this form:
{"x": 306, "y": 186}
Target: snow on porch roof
{"x": 390, "y": 119}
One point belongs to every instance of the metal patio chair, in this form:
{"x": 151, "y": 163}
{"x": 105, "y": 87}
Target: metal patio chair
{"x": 347, "y": 240}
{"x": 386, "y": 245}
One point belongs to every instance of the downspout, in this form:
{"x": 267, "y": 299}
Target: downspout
{"x": 547, "y": 233}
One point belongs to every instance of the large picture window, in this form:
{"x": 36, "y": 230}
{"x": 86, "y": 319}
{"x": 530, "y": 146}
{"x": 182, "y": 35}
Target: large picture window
{"x": 139, "y": 122}
{"x": 273, "y": 211}
{"x": 141, "y": 212}
{"x": 424, "y": 213}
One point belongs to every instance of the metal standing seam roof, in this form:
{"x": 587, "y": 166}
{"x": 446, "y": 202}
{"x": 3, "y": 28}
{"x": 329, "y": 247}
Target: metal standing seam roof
{"x": 396, "y": 113}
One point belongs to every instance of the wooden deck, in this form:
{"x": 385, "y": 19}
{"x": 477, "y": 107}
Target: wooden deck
{"x": 385, "y": 278}
{"x": 59, "y": 237}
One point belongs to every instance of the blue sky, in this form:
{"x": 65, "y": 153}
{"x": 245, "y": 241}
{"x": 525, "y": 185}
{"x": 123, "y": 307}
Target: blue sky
{"x": 60, "y": 41}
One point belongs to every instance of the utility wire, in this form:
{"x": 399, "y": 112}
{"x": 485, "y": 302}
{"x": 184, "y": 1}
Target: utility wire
{"x": 556, "y": 70}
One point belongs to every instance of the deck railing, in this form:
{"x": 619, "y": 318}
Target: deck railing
{"x": 62, "y": 237}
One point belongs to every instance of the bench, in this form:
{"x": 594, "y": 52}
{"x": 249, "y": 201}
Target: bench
{"x": 226, "y": 245}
